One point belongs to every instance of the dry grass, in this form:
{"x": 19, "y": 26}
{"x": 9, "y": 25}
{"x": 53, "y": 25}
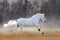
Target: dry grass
{"x": 31, "y": 35}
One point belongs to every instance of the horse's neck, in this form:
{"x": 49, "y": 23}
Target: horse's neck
{"x": 36, "y": 18}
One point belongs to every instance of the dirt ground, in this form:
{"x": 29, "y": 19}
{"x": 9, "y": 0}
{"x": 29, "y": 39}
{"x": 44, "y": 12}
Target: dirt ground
{"x": 51, "y": 34}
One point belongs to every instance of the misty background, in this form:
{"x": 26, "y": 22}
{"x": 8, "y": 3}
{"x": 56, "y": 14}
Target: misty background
{"x": 14, "y": 9}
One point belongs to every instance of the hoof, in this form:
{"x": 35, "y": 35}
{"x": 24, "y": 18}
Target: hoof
{"x": 42, "y": 32}
{"x": 38, "y": 29}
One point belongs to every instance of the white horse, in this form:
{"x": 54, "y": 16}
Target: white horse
{"x": 32, "y": 21}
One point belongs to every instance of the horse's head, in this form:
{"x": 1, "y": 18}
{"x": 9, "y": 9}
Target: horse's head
{"x": 43, "y": 18}
{"x": 39, "y": 16}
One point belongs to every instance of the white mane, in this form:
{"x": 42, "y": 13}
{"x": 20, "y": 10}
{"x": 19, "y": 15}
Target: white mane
{"x": 38, "y": 14}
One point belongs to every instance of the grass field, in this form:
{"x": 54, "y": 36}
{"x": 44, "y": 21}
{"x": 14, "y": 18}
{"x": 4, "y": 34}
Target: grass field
{"x": 49, "y": 34}
{"x": 29, "y": 36}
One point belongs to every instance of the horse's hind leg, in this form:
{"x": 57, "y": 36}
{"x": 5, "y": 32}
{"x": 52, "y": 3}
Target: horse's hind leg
{"x": 21, "y": 28}
{"x": 17, "y": 25}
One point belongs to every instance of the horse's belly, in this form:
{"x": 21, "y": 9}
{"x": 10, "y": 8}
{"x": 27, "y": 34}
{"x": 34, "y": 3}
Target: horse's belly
{"x": 28, "y": 25}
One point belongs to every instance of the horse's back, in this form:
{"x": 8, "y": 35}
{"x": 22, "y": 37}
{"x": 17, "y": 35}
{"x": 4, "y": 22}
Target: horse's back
{"x": 25, "y": 21}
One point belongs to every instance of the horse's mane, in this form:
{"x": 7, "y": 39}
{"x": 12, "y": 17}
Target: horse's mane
{"x": 36, "y": 14}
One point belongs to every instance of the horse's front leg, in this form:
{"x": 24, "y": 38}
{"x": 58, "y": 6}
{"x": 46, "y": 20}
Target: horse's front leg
{"x": 38, "y": 27}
